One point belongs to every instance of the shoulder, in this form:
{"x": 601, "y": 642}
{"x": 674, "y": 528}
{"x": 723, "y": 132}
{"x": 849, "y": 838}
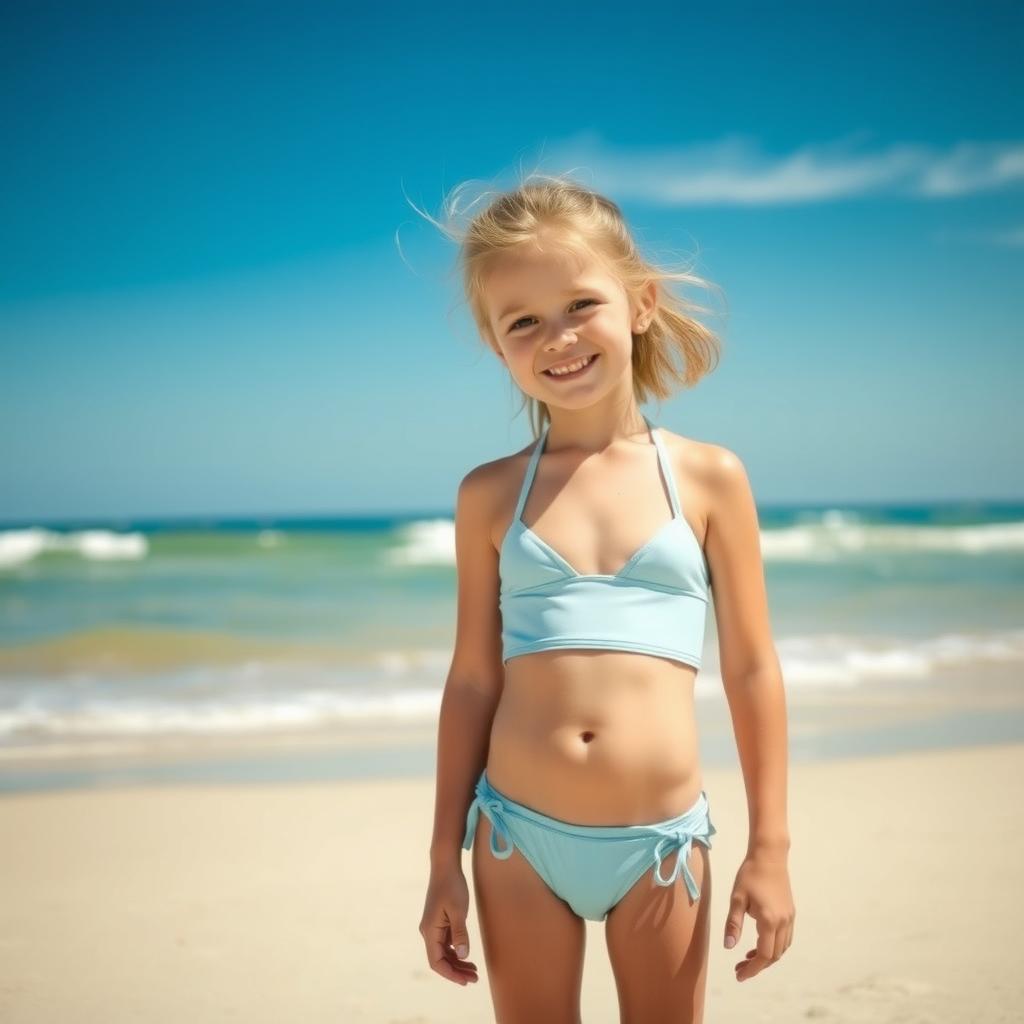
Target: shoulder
{"x": 711, "y": 465}
{"x": 487, "y": 490}
{"x": 712, "y": 477}
{"x": 492, "y": 477}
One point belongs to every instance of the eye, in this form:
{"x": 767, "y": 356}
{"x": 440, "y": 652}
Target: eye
{"x": 578, "y": 302}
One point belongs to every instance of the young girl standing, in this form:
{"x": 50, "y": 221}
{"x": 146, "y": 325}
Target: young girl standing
{"x": 567, "y": 749}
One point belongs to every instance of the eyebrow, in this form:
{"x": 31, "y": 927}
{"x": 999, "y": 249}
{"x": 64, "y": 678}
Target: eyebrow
{"x": 515, "y": 307}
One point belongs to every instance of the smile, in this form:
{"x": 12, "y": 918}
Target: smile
{"x": 574, "y": 373}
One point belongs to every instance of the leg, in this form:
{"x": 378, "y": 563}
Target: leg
{"x": 658, "y": 941}
{"x": 532, "y": 942}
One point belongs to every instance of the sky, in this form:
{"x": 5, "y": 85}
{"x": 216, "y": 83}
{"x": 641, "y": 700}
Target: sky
{"x": 218, "y": 297}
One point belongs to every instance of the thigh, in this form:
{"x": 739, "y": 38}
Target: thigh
{"x": 658, "y": 941}
{"x": 533, "y": 943}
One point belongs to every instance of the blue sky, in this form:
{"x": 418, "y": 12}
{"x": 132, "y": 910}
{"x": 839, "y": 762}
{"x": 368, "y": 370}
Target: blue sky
{"x": 216, "y": 299}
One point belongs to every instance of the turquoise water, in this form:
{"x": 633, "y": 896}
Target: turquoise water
{"x": 135, "y": 630}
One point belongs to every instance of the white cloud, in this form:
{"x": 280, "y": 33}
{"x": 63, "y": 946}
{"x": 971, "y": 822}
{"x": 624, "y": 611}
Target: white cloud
{"x": 734, "y": 171}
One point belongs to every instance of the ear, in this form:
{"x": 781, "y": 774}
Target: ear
{"x": 645, "y": 303}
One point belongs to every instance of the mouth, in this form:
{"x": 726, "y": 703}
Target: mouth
{"x": 591, "y": 359}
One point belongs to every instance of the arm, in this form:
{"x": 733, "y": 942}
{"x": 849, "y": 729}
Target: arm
{"x": 751, "y": 673}
{"x": 753, "y": 686}
{"x": 476, "y": 676}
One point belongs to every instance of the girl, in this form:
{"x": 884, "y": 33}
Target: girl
{"x": 567, "y": 757}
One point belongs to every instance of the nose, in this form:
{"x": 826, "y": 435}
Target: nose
{"x": 566, "y": 337}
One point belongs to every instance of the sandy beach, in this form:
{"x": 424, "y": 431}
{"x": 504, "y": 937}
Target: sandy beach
{"x": 301, "y": 901}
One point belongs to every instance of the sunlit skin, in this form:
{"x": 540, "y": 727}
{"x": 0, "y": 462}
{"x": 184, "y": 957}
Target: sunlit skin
{"x": 562, "y": 308}
{"x": 545, "y": 309}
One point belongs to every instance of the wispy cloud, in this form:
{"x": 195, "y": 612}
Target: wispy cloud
{"x": 734, "y": 171}
{"x": 1010, "y": 238}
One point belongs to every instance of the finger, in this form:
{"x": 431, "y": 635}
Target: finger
{"x": 780, "y": 942}
{"x": 789, "y": 937}
{"x": 452, "y": 971}
{"x": 766, "y": 943}
{"x": 760, "y": 957}
{"x": 439, "y": 963}
{"x": 455, "y": 960}
{"x": 742, "y": 968}
{"x": 467, "y": 967}
{"x": 440, "y": 960}
{"x": 734, "y": 920}
{"x": 453, "y": 956}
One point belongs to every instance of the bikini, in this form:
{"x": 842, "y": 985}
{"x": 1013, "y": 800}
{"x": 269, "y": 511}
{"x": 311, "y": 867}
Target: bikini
{"x": 655, "y": 604}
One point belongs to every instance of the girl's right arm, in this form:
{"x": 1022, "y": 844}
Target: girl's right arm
{"x": 470, "y": 699}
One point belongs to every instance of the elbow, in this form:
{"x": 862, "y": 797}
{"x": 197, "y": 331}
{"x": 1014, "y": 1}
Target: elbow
{"x": 482, "y": 687}
{"x": 767, "y": 674}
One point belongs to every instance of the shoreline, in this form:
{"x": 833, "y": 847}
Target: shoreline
{"x": 945, "y": 713}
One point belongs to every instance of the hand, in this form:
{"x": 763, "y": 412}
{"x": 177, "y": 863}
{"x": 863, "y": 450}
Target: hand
{"x": 761, "y": 890}
{"x": 444, "y": 924}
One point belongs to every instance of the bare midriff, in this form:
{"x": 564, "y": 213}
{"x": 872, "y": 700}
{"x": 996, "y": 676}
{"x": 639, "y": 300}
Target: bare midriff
{"x": 597, "y": 737}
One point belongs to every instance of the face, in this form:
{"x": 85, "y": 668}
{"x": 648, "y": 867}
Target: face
{"x": 552, "y": 310}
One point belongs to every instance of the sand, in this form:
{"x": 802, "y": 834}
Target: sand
{"x": 300, "y": 902}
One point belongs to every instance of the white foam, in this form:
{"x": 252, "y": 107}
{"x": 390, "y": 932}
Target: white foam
{"x": 43, "y": 714}
{"x": 835, "y": 660}
{"x": 834, "y": 536}
{"x": 839, "y": 534}
{"x": 20, "y": 546}
{"x": 424, "y": 542}
{"x": 405, "y": 688}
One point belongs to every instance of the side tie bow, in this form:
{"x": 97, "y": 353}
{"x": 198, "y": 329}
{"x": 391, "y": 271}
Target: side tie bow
{"x": 682, "y": 841}
{"x": 493, "y": 808}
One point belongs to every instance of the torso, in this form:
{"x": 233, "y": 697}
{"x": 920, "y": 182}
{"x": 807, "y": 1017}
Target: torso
{"x": 599, "y": 737}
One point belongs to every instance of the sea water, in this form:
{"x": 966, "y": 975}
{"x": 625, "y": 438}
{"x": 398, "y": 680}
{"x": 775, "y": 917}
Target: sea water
{"x": 895, "y": 627}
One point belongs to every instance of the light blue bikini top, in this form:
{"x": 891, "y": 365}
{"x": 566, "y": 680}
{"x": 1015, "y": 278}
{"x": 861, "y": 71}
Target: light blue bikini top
{"x": 655, "y": 604}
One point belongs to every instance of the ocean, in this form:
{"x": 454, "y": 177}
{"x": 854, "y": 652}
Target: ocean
{"x": 279, "y": 648}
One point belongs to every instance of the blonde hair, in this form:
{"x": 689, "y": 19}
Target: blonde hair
{"x": 555, "y": 213}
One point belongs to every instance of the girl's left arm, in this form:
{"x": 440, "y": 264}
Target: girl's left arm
{"x": 752, "y": 678}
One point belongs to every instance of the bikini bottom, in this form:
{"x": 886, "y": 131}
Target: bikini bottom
{"x": 590, "y": 867}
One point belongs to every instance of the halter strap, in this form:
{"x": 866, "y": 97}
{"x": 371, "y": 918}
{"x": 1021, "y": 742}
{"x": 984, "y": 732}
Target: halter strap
{"x": 531, "y": 469}
{"x": 666, "y": 469}
{"x": 663, "y": 462}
